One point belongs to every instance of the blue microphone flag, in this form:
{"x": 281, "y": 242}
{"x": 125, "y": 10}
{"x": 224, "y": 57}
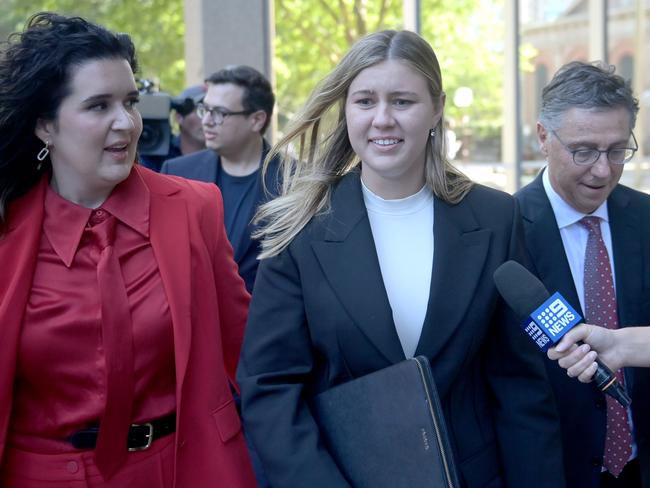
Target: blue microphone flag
{"x": 550, "y": 321}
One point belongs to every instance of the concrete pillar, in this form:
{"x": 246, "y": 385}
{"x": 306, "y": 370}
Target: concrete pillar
{"x": 412, "y": 15}
{"x": 223, "y": 32}
{"x": 511, "y": 132}
{"x": 598, "y": 30}
{"x": 639, "y": 88}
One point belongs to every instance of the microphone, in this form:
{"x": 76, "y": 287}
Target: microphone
{"x": 548, "y": 318}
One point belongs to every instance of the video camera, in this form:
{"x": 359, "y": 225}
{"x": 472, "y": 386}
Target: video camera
{"x": 155, "y": 106}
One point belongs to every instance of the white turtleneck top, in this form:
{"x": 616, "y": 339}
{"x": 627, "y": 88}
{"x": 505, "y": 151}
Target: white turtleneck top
{"x": 403, "y": 234}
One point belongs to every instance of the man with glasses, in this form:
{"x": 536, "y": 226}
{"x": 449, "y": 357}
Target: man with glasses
{"x": 235, "y": 113}
{"x": 587, "y": 237}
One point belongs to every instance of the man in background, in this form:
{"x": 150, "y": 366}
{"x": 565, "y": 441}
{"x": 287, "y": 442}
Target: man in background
{"x": 235, "y": 113}
{"x": 190, "y": 137}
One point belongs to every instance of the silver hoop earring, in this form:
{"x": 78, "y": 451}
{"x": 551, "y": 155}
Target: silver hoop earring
{"x": 432, "y": 133}
{"x": 42, "y": 154}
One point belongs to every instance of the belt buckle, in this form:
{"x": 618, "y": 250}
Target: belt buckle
{"x": 148, "y": 436}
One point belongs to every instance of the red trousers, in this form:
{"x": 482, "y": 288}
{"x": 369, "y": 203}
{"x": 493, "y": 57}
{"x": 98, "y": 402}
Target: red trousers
{"x": 151, "y": 468}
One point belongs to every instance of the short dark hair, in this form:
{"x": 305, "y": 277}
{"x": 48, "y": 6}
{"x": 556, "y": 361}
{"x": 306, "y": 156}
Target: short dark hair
{"x": 36, "y": 67}
{"x": 585, "y": 85}
{"x": 258, "y": 94}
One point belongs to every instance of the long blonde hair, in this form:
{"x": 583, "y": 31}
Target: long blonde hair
{"x": 324, "y": 154}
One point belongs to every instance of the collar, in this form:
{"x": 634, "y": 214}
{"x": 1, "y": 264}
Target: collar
{"x": 129, "y": 203}
{"x": 565, "y": 214}
{"x": 399, "y": 206}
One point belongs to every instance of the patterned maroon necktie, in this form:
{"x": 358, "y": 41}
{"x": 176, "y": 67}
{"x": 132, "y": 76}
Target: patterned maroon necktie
{"x": 117, "y": 338}
{"x": 600, "y": 309}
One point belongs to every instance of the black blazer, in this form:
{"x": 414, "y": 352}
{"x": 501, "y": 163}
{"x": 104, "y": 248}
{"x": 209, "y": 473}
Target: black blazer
{"x": 205, "y": 166}
{"x": 581, "y": 406}
{"x": 320, "y": 316}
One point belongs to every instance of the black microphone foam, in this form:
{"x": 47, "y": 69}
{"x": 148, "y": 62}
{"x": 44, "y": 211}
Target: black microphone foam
{"x": 523, "y": 293}
{"x": 520, "y": 289}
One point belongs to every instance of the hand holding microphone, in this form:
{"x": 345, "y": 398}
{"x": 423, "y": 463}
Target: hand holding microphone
{"x": 548, "y": 319}
{"x": 629, "y": 346}
{"x": 580, "y": 347}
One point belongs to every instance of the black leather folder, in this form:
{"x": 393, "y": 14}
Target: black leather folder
{"x": 386, "y": 429}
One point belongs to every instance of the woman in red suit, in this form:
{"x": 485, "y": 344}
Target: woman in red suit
{"x": 121, "y": 310}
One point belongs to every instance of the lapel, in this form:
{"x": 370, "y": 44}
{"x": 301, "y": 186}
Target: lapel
{"x": 544, "y": 242}
{"x": 349, "y": 262}
{"x": 202, "y": 166}
{"x": 625, "y": 226}
{"x": 18, "y": 254}
{"x": 269, "y": 178}
{"x": 170, "y": 242}
{"x": 460, "y": 249}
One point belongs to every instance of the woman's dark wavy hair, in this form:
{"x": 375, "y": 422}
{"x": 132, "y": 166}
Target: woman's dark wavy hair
{"x": 36, "y": 66}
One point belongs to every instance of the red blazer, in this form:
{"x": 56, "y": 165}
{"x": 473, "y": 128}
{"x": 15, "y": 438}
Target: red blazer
{"x": 208, "y": 304}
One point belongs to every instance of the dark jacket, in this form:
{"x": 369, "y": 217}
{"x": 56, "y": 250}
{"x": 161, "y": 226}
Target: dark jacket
{"x": 581, "y": 406}
{"x": 320, "y": 316}
{"x": 206, "y": 166}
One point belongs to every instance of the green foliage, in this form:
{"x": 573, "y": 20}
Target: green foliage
{"x": 156, "y": 27}
{"x": 312, "y": 35}
{"x": 467, "y": 36}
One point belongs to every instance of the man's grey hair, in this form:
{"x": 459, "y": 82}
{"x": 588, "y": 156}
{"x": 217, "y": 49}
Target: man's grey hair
{"x": 586, "y": 86}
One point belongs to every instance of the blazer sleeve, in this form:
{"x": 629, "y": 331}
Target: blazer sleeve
{"x": 277, "y": 359}
{"x": 527, "y": 423}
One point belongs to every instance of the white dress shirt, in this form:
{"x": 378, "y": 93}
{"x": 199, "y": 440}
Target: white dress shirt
{"x": 574, "y": 235}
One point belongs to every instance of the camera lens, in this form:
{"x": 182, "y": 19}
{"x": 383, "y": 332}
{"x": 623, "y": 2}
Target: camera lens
{"x": 155, "y": 137}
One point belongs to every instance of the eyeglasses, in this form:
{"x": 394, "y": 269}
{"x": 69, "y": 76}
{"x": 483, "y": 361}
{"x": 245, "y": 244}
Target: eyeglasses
{"x": 615, "y": 155}
{"x": 217, "y": 115}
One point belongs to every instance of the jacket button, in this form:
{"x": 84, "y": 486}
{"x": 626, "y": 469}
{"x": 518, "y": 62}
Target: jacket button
{"x": 597, "y": 461}
{"x": 600, "y": 403}
{"x": 72, "y": 467}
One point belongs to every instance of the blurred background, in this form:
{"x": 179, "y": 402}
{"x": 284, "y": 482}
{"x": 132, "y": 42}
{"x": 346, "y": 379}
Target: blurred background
{"x": 495, "y": 55}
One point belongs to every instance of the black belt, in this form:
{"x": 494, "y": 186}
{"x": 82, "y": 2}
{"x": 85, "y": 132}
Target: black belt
{"x": 140, "y": 435}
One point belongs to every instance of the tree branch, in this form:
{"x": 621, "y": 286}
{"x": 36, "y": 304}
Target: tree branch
{"x": 361, "y": 21}
{"x": 382, "y": 15}
{"x": 287, "y": 14}
{"x": 349, "y": 35}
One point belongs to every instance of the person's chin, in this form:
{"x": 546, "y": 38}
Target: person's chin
{"x": 118, "y": 172}
{"x": 597, "y": 192}
{"x": 589, "y": 203}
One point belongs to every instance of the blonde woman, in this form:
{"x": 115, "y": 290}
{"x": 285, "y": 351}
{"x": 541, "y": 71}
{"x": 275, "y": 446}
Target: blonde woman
{"x": 378, "y": 250}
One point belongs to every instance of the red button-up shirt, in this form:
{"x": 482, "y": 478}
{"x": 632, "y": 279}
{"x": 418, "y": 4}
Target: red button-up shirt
{"x": 60, "y": 380}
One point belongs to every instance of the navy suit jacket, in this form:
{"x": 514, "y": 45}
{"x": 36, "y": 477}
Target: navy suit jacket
{"x": 320, "y": 316}
{"x": 205, "y": 166}
{"x": 581, "y": 406}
